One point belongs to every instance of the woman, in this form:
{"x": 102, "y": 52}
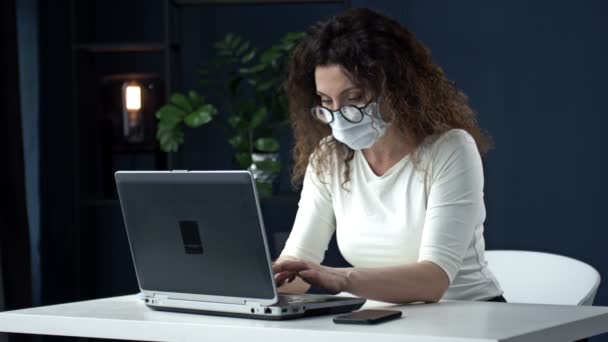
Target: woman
{"x": 389, "y": 152}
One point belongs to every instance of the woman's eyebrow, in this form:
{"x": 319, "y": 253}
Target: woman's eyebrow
{"x": 343, "y": 91}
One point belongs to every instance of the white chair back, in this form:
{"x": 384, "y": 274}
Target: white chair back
{"x": 543, "y": 278}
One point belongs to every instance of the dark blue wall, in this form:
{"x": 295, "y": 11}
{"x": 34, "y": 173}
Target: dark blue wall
{"x": 536, "y": 74}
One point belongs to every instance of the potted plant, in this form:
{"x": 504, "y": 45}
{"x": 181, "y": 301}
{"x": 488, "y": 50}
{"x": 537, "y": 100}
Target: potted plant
{"x": 256, "y": 104}
{"x": 190, "y": 110}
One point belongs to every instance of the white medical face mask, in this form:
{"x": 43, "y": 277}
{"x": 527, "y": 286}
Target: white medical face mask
{"x": 363, "y": 134}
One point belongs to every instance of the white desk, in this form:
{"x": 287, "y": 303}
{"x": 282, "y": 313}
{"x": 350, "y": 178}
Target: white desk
{"x": 129, "y": 319}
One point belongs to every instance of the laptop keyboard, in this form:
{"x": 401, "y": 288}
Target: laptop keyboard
{"x": 292, "y": 299}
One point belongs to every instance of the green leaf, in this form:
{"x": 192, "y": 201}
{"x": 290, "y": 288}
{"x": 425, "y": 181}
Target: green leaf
{"x": 269, "y": 145}
{"x": 211, "y": 108}
{"x": 200, "y": 116}
{"x": 292, "y": 36}
{"x": 197, "y": 119}
{"x": 163, "y": 125}
{"x": 170, "y": 115}
{"x": 235, "y": 42}
{"x": 258, "y": 117}
{"x": 195, "y": 99}
{"x": 287, "y": 46}
{"x": 236, "y": 140}
{"x": 170, "y": 138}
{"x": 254, "y": 69}
{"x": 234, "y": 120}
{"x": 269, "y": 56}
{"x": 181, "y": 101}
{"x": 268, "y": 165}
{"x": 243, "y": 48}
{"x": 244, "y": 159}
{"x": 265, "y": 85}
{"x": 162, "y": 130}
{"x": 229, "y": 38}
{"x": 239, "y": 142}
{"x": 249, "y": 56}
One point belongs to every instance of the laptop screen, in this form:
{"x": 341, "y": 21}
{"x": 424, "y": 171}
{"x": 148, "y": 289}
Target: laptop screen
{"x": 196, "y": 232}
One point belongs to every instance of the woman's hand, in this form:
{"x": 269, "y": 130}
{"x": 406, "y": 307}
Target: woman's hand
{"x": 332, "y": 280}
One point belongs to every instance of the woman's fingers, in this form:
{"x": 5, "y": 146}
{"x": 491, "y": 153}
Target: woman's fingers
{"x": 281, "y": 278}
{"x": 321, "y": 279}
{"x": 308, "y": 276}
{"x": 289, "y": 265}
{"x": 286, "y": 271}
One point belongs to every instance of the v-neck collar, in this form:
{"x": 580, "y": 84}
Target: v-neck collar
{"x": 370, "y": 174}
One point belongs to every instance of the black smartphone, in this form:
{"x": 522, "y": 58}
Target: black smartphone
{"x": 367, "y": 316}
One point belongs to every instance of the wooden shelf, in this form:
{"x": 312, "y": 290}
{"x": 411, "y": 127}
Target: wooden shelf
{"x": 247, "y": 2}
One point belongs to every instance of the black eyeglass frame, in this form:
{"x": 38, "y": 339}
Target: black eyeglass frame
{"x": 359, "y": 108}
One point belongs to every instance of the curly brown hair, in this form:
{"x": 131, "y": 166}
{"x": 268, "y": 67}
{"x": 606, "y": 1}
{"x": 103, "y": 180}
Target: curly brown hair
{"x": 384, "y": 59}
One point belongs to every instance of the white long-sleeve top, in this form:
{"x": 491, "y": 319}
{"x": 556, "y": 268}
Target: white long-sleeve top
{"x": 434, "y": 211}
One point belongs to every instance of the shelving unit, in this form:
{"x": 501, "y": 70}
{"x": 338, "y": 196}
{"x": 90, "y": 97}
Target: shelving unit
{"x": 101, "y": 258}
{"x": 251, "y": 2}
{"x": 97, "y": 210}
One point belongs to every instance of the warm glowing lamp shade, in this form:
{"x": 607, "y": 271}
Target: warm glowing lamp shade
{"x": 132, "y": 112}
{"x": 126, "y": 126}
{"x": 133, "y": 97}
{"x": 128, "y": 103}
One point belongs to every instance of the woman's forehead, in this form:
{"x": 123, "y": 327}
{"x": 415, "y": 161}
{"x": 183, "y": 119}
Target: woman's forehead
{"x": 332, "y": 79}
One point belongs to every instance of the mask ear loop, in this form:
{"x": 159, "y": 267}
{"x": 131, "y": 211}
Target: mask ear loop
{"x": 375, "y": 116}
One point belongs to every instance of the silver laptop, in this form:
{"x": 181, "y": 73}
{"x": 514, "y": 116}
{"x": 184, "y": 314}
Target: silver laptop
{"x": 198, "y": 244}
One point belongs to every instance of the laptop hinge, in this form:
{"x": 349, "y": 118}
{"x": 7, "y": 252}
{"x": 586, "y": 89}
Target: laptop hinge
{"x": 253, "y": 304}
{"x": 161, "y": 296}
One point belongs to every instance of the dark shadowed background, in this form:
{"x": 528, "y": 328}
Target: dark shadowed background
{"x": 534, "y": 71}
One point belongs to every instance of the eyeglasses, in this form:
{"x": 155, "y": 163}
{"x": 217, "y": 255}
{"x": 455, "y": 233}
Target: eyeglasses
{"x": 350, "y": 113}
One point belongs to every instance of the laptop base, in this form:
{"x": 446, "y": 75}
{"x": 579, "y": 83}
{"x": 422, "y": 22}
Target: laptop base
{"x": 307, "y": 313}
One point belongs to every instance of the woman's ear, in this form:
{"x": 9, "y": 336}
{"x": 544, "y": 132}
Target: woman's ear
{"x": 386, "y": 111}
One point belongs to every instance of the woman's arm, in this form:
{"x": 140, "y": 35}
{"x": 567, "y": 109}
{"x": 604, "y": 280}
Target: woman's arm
{"x": 422, "y": 281}
{"x": 313, "y": 228}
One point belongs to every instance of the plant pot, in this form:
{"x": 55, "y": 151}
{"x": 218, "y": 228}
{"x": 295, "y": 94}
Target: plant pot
{"x": 263, "y": 177}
